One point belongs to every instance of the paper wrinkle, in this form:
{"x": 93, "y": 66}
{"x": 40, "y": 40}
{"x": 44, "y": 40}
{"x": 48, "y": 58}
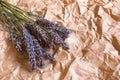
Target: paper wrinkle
{"x": 94, "y": 42}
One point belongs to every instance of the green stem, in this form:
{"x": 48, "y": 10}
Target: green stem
{"x": 16, "y": 8}
{"x": 8, "y": 20}
{"x": 16, "y": 12}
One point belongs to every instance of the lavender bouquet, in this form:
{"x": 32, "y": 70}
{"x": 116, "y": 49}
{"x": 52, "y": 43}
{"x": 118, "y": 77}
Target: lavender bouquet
{"x": 32, "y": 34}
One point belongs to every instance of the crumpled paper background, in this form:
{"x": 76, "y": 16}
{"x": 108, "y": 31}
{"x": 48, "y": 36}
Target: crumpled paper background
{"x": 94, "y": 42}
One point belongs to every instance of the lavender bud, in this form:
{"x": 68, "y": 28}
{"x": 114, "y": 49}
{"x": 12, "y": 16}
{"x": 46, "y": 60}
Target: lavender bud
{"x": 62, "y": 31}
{"x": 29, "y": 43}
{"x": 16, "y": 39}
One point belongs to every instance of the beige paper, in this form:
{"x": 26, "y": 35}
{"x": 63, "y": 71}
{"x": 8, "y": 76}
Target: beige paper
{"x": 94, "y": 42}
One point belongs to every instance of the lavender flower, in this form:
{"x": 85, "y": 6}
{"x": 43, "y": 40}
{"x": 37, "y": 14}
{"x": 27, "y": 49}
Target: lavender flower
{"x": 59, "y": 41}
{"x": 39, "y": 53}
{"x": 50, "y": 34}
{"x": 16, "y": 39}
{"x": 40, "y": 34}
{"x": 29, "y": 43}
{"x": 62, "y": 31}
{"x": 35, "y": 51}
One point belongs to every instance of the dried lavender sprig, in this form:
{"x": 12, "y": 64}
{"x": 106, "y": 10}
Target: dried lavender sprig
{"x": 16, "y": 39}
{"x": 39, "y": 53}
{"x": 48, "y": 35}
{"x": 35, "y": 51}
{"x": 40, "y": 34}
{"x": 29, "y": 43}
{"x": 59, "y": 41}
{"x": 62, "y": 31}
